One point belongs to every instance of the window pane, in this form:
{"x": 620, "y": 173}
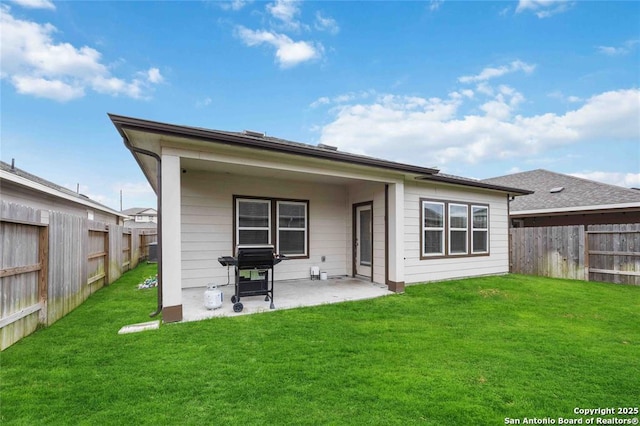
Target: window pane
{"x": 253, "y": 214}
{"x": 458, "y": 242}
{"x": 480, "y": 217}
{"x": 291, "y": 215}
{"x": 433, "y": 242}
{"x": 365, "y": 237}
{"x": 252, "y": 236}
{"x": 458, "y": 216}
{"x": 433, "y": 215}
{"x": 480, "y": 241}
{"x": 291, "y": 242}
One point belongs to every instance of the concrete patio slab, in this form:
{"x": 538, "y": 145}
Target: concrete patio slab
{"x": 287, "y": 295}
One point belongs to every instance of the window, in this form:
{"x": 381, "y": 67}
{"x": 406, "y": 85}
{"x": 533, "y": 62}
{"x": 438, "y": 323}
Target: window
{"x": 433, "y": 228}
{"x": 458, "y": 226}
{"x": 292, "y": 228}
{"x": 288, "y": 233}
{"x": 453, "y": 229}
{"x": 480, "y": 229}
{"x": 253, "y": 221}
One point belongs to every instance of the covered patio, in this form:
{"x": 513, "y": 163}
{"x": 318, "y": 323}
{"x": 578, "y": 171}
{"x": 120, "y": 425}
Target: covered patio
{"x": 287, "y": 295}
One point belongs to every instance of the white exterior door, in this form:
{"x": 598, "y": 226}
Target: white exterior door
{"x": 364, "y": 240}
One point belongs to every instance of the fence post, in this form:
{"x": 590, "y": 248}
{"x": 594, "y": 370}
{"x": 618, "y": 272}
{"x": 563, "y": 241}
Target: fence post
{"x": 105, "y": 243}
{"x": 586, "y": 252}
{"x": 43, "y": 275}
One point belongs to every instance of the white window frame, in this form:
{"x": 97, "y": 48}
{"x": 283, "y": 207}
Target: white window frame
{"x": 474, "y": 229}
{"x": 451, "y": 229}
{"x": 252, "y": 228}
{"x": 432, "y": 228}
{"x": 305, "y": 229}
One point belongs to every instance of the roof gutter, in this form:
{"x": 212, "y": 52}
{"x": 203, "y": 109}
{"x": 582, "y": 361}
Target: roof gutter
{"x": 134, "y": 150}
{"x": 475, "y": 184}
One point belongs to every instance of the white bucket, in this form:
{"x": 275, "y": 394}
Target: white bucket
{"x": 212, "y": 297}
{"x": 323, "y": 276}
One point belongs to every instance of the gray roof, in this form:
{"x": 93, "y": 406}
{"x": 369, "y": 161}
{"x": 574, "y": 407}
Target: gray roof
{"x": 65, "y": 191}
{"x": 255, "y": 140}
{"x": 576, "y": 192}
{"x": 139, "y": 210}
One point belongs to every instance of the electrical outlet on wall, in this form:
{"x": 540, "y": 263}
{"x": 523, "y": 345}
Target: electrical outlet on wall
{"x": 323, "y": 258}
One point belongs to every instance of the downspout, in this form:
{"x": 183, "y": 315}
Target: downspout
{"x": 133, "y": 150}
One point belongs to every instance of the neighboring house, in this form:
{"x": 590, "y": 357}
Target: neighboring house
{"x": 561, "y": 199}
{"x": 20, "y": 187}
{"x": 351, "y": 215}
{"x": 141, "y": 217}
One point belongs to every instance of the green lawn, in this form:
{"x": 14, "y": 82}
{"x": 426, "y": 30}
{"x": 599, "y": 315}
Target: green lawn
{"x": 466, "y": 352}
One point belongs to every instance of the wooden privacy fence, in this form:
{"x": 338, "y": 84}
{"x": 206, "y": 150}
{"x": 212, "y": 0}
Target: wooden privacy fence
{"x": 609, "y": 253}
{"x": 51, "y": 262}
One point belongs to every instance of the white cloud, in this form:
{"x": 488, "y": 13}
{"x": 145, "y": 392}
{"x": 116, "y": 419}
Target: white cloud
{"x": 342, "y": 99}
{"x": 286, "y": 11}
{"x": 37, "y": 65}
{"x": 324, "y": 100}
{"x": 427, "y": 130}
{"x": 154, "y": 76}
{"x": 50, "y": 89}
{"x": 491, "y": 72}
{"x": 204, "y": 102}
{"x": 288, "y": 52}
{"x": 626, "y": 48}
{"x": 326, "y": 24}
{"x": 435, "y": 5}
{"x": 36, "y": 4}
{"x": 234, "y": 5}
{"x": 561, "y": 97}
{"x": 626, "y": 180}
{"x": 544, "y": 8}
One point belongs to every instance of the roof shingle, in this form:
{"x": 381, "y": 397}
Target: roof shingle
{"x": 576, "y": 192}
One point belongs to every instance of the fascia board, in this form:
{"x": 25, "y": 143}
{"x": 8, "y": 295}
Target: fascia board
{"x": 594, "y": 208}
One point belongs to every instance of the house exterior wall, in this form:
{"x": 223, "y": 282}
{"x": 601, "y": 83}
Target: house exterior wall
{"x": 18, "y": 194}
{"x": 207, "y": 225}
{"x": 422, "y": 270}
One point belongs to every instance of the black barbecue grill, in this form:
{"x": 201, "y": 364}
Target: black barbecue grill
{"x": 252, "y": 265}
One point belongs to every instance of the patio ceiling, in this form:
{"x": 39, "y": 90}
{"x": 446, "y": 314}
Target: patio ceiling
{"x": 191, "y": 164}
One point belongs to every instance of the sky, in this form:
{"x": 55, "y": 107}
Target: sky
{"x": 477, "y": 89}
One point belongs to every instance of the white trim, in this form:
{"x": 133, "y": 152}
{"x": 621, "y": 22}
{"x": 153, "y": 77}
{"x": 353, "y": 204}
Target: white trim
{"x": 305, "y": 229}
{"x": 441, "y": 229}
{"x": 474, "y": 229}
{"x": 451, "y": 229}
{"x": 47, "y": 190}
{"x": 253, "y": 228}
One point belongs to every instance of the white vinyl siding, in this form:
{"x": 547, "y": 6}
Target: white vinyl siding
{"x": 208, "y": 225}
{"x": 420, "y": 268}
